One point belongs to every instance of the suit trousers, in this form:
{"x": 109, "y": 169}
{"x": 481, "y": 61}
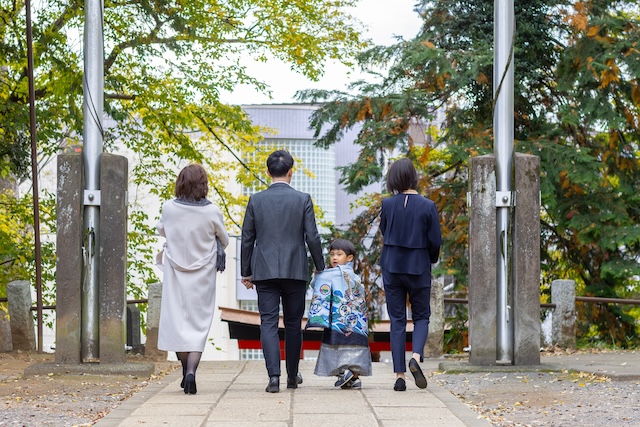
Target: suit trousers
{"x": 270, "y": 294}
{"x": 396, "y": 287}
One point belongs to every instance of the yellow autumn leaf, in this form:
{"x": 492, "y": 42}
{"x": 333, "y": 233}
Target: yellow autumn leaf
{"x": 593, "y": 31}
{"x": 579, "y": 22}
{"x": 428, "y": 44}
{"x": 482, "y": 79}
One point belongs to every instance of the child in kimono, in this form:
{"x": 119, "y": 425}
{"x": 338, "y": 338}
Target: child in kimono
{"x": 344, "y": 351}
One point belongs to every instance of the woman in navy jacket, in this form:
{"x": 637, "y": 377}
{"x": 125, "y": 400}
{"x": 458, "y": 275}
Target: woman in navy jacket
{"x": 410, "y": 226}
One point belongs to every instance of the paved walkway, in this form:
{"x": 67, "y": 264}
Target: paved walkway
{"x": 231, "y": 393}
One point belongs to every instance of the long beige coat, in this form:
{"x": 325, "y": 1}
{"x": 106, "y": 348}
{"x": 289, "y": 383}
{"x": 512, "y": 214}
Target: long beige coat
{"x": 189, "y": 273}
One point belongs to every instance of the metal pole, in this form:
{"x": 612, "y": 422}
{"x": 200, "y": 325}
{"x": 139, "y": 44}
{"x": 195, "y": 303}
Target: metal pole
{"x": 503, "y": 147}
{"x": 93, "y": 85}
{"x": 34, "y": 172}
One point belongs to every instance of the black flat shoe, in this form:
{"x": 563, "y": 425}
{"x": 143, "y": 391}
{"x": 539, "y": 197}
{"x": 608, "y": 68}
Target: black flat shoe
{"x": 274, "y": 385}
{"x": 400, "y": 385}
{"x": 414, "y": 367}
{"x": 190, "y": 384}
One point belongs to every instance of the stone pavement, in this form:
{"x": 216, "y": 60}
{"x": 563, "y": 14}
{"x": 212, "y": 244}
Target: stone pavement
{"x": 231, "y": 393}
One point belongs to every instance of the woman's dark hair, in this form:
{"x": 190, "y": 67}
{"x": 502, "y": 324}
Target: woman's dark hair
{"x": 402, "y": 176}
{"x": 192, "y": 182}
{"x": 279, "y": 163}
{"x": 343, "y": 245}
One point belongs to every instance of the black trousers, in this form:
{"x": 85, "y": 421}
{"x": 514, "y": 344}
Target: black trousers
{"x": 270, "y": 294}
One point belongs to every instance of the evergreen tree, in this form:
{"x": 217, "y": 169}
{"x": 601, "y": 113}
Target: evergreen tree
{"x": 577, "y": 107}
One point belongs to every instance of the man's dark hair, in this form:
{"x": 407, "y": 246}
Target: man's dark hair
{"x": 402, "y": 176}
{"x": 343, "y": 245}
{"x": 279, "y": 163}
{"x": 192, "y": 182}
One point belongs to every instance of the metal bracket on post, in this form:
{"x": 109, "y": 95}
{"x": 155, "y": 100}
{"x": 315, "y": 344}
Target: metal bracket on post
{"x": 92, "y": 197}
{"x": 504, "y": 199}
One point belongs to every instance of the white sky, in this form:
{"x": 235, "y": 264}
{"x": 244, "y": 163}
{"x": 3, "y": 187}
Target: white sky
{"x": 384, "y": 19}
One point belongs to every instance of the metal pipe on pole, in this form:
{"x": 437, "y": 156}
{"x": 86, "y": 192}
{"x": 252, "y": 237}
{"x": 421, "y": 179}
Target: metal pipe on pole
{"x": 503, "y": 131}
{"x": 34, "y": 172}
{"x": 93, "y": 107}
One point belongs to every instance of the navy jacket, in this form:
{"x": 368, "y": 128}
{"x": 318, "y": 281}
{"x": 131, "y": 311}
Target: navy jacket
{"x": 412, "y": 236}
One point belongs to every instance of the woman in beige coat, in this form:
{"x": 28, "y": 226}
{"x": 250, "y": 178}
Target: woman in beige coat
{"x": 195, "y": 232}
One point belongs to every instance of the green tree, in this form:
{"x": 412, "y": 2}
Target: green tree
{"x": 166, "y": 63}
{"x": 577, "y": 100}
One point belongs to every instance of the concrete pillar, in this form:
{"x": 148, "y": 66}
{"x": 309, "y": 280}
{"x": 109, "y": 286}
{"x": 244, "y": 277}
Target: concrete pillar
{"x": 563, "y": 325}
{"x": 113, "y": 258}
{"x": 5, "y": 332}
{"x": 69, "y": 263}
{"x": 153, "y": 322}
{"x": 435, "y": 340}
{"x": 23, "y": 336}
{"x": 526, "y": 260}
{"x": 482, "y": 260}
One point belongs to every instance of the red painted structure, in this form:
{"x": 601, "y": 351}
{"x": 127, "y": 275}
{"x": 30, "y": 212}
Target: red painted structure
{"x": 244, "y": 326}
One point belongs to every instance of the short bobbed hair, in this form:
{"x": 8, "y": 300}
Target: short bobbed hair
{"x": 343, "y": 245}
{"x": 279, "y": 163}
{"x": 402, "y": 176}
{"x": 192, "y": 182}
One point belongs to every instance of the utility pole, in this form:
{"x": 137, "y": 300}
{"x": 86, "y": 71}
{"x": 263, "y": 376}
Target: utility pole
{"x": 93, "y": 106}
{"x": 503, "y": 123}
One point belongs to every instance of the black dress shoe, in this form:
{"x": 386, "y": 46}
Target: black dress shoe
{"x": 293, "y": 382}
{"x": 414, "y": 367}
{"x": 274, "y": 385}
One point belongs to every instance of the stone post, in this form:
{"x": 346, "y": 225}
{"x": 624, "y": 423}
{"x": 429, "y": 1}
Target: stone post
{"x": 563, "y": 323}
{"x": 482, "y": 260}
{"x": 133, "y": 325}
{"x": 153, "y": 322}
{"x": 23, "y": 336}
{"x": 435, "y": 340}
{"x": 5, "y": 332}
{"x": 113, "y": 258}
{"x": 526, "y": 261}
{"x": 70, "y": 197}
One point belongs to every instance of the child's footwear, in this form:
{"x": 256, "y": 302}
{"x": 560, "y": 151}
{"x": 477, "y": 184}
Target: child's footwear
{"x": 354, "y": 384}
{"x": 344, "y": 378}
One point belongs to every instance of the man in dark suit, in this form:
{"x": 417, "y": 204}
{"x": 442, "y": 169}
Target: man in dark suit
{"x": 277, "y": 223}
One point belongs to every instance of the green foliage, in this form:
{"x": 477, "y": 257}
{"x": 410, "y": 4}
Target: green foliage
{"x": 577, "y": 107}
{"x": 166, "y": 63}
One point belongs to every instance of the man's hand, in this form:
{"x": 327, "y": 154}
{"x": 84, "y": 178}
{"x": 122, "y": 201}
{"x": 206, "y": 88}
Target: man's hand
{"x": 246, "y": 281}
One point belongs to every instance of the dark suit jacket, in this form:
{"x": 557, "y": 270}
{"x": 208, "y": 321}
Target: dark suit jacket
{"x": 412, "y": 236}
{"x": 277, "y": 223}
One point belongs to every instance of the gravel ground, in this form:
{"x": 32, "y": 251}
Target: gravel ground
{"x": 62, "y": 400}
{"x": 547, "y": 398}
{"x": 505, "y": 399}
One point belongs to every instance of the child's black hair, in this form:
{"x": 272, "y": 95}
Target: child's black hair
{"x": 343, "y": 245}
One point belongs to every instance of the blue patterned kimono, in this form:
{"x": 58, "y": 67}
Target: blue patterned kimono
{"x": 338, "y": 305}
